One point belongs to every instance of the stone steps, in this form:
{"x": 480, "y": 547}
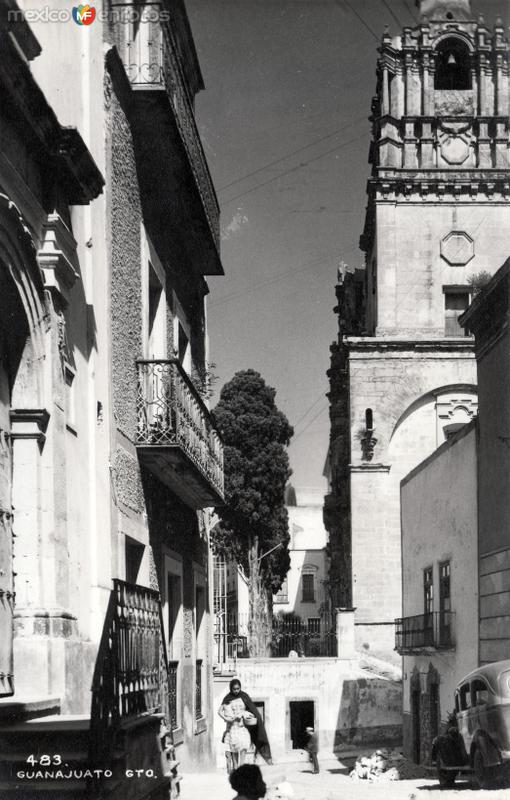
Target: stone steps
{"x": 36, "y": 753}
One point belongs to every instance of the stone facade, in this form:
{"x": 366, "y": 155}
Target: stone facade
{"x": 104, "y": 249}
{"x": 403, "y": 373}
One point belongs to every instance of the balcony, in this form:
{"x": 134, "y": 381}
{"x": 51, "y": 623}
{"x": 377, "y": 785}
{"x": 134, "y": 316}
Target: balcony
{"x": 176, "y": 439}
{"x": 424, "y": 633}
{"x": 164, "y": 79}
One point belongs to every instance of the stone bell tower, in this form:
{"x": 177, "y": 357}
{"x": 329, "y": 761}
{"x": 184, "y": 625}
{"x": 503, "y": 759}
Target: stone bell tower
{"x": 403, "y": 375}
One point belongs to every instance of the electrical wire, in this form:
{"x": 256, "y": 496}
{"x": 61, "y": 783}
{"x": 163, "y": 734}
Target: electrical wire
{"x": 388, "y": 7}
{"x": 410, "y": 11}
{"x": 296, "y": 437}
{"x": 365, "y": 24}
{"x": 292, "y": 153}
{"x": 277, "y": 278}
{"x": 289, "y": 171}
{"x": 271, "y": 281}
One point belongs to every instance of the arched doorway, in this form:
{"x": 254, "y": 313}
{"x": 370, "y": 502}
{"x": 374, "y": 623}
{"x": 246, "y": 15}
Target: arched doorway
{"x": 22, "y": 348}
{"x": 14, "y": 336}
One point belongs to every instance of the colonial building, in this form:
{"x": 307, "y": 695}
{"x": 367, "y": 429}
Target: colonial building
{"x": 437, "y": 634}
{"x": 304, "y": 590}
{"x": 302, "y": 617}
{"x": 403, "y": 372}
{"x": 455, "y": 552}
{"x": 108, "y": 229}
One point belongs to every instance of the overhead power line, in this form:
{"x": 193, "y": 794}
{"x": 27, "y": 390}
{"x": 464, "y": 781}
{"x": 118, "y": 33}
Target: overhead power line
{"x": 271, "y": 281}
{"x": 292, "y": 153}
{"x": 296, "y": 437}
{"x": 365, "y": 24}
{"x": 388, "y": 7}
{"x": 292, "y": 169}
{"x": 410, "y": 10}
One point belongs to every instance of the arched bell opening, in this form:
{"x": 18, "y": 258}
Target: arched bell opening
{"x": 453, "y": 65}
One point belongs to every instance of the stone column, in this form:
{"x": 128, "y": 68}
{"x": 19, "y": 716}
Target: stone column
{"x": 386, "y": 93}
{"x": 28, "y": 435}
{"x": 345, "y": 633}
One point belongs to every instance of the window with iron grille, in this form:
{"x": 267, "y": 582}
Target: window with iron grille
{"x": 444, "y": 603}
{"x": 198, "y": 688}
{"x": 308, "y": 586}
{"x": 428, "y": 591}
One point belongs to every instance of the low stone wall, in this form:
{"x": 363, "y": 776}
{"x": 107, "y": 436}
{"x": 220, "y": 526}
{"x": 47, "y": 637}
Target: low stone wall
{"x": 351, "y": 706}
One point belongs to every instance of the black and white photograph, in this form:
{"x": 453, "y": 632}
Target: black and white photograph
{"x": 254, "y": 399}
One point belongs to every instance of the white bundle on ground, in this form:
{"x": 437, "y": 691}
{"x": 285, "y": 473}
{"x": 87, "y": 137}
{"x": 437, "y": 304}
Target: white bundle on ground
{"x": 282, "y": 791}
{"x": 384, "y": 765}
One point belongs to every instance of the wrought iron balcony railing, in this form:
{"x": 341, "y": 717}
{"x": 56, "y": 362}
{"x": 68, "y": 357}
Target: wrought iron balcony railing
{"x": 151, "y": 60}
{"x": 433, "y": 631}
{"x": 177, "y": 434}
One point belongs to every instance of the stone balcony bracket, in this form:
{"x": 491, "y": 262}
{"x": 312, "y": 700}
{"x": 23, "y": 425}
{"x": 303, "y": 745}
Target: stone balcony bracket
{"x": 53, "y": 258}
{"x": 29, "y": 424}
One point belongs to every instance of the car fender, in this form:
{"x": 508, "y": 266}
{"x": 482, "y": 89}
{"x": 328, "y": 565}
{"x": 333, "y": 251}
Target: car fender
{"x": 488, "y": 748}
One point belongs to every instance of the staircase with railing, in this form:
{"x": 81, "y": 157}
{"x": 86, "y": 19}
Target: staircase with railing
{"x": 132, "y": 682}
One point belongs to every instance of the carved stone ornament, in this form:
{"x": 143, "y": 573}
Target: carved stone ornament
{"x": 455, "y": 142}
{"x": 53, "y": 258}
{"x": 368, "y": 443}
{"x": 457, "y": 248}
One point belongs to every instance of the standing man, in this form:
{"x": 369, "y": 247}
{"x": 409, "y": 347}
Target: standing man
{"x": 313, "y": 749}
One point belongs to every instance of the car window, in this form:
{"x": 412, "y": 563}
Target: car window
{"x": 479, "y": 692}
{"x": 457, "y": 704}
{"x": 505, "y": 682}
{"x": 465, "y": 697}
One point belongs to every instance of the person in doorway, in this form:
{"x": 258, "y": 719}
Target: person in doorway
{"x": 313, "y": 749}
{"x": 255, "y": 728}
{"x": 248, "y": 783}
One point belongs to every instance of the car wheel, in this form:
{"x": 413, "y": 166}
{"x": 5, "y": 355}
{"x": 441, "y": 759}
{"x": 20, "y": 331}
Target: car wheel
{"x": 446, "y": 778}
{"x": 482, "y": 774}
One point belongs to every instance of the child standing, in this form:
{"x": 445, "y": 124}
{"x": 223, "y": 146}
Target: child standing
{"x": 313, "y": 749}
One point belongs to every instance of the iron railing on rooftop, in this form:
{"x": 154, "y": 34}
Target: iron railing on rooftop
{"x": 307, "y": 638}
{"x": 171, "y": 412}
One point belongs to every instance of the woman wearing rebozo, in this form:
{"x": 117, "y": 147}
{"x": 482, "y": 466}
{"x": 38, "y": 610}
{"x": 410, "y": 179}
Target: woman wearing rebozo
{"x": 245, "y": 728}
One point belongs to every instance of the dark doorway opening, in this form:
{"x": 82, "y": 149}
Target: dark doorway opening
{"x": 415, "y": 715}
{"x": 302, "y": 716}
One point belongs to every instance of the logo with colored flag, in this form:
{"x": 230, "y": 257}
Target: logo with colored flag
{"x": 84, "y": 15}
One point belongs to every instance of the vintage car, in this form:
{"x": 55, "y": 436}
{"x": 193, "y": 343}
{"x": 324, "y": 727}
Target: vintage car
{"x": 482, "y": 742}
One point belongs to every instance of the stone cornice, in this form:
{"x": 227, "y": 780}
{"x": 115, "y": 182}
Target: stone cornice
{"x": 401, "y": 345}
{"x": 369, "y": 468}
{"x": 60, "y": 147}
{"x": 432, "y": 185}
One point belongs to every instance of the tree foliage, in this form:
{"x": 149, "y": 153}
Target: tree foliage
{"x": 255, "y": 435}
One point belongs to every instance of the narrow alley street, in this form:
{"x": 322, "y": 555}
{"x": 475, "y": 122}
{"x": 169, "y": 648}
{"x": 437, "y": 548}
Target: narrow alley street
{"x": 334, "y": 783}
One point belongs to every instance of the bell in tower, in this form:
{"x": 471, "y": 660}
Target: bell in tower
{"x": 445, "y": 9}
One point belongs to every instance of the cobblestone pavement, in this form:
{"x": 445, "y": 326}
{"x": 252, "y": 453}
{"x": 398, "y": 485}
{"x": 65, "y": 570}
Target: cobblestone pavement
{"x": 333, "y": 783}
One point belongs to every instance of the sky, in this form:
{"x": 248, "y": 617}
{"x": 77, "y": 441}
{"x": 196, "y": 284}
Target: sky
{"x": 284, "y": 124}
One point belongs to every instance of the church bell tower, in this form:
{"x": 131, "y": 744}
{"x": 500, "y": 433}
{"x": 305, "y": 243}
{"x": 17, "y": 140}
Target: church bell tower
{"x": 403, "y": 374}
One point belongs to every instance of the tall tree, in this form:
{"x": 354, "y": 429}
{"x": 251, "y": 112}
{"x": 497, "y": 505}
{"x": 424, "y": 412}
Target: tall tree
{"x": 254, "y": 520}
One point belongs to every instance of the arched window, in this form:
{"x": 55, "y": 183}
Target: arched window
{"x": 453, "y": 69}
